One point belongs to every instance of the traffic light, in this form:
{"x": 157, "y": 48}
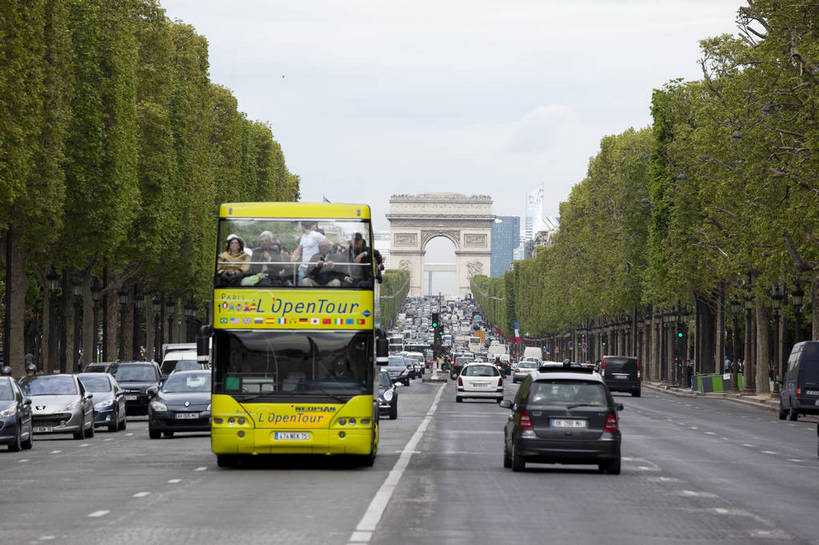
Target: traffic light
{"x": 604, "y": 340}
{"x": 437, "y": 330}
{"x": 435, "y": 320}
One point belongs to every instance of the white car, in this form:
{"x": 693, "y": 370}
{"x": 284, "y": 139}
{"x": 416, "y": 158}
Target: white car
{"x": 523, "y": 369}
{"x": 479, "y": 380}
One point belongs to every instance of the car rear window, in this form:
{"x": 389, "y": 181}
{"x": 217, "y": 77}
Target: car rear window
{"x": 480, "y": 371}
{"x": 567, "y": 392}
{"x": 626, "y": 365}
{"x": 135, "y": 373}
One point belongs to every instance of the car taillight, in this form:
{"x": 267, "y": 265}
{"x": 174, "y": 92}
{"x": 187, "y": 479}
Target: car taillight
{"x": 603, "y": 367}
{"x": 611, "y": 424}
{"x": 638, "y": 369}
{"x": 500, "y": 383}
{"x": 460, "y": 381}
{"x": 525, "y": 421}
{"x": 798, "y": 391}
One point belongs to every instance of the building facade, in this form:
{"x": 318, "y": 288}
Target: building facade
{"x": 505, "y": 238}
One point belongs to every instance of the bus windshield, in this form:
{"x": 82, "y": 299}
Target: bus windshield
{"x": 265, "y": 252}
{"x": 310, "y": 366}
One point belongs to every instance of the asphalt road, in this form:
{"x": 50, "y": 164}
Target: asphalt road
{"x": 694, "y": 471}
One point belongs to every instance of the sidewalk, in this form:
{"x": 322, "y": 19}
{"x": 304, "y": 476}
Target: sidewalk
{"x": 758, "y": 400}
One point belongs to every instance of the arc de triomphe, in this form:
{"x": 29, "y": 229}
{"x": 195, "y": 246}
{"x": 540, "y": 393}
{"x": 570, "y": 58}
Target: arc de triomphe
{"x": 465, "y": 220}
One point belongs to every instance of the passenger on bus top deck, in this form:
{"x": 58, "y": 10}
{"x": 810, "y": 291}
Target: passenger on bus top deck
{"x": 233, "y": 261}
{"x": 359, "y": 259}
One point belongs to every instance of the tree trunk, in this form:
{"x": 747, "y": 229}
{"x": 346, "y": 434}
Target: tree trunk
{"x": 126, "y": 324}
{"x": 814, "y": 299}
{"x": 749, "y": 371}
{"x": 89, "y": 324}
{"x": 706, "y": 345}
{"x": 111, "y": 326}
{"x": 17, "y": 304}
{"x": 762, "y": 350}
{"x": 68, "y": 358}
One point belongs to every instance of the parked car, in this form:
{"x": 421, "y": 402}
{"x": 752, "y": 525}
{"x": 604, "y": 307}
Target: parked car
{"x": 479, "y": 380}
{"x": 563, "y": 416}
{"x": 398, "y": 369}
{"x": 59, "y": 404}
{"x": 16, "y": 428}
{"x": 621, "y": 374}
{"x": 109, "y": 400}
{"x": 800, "y": 384}
{"x": 387, "y": 396}
{"x": 182, "y": 404}
{"x": 135, "y": 377}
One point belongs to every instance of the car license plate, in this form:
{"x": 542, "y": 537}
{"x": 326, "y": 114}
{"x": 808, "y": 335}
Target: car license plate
{"x": 568, "y": 423}
{"x": 130, "y": 398}
{"x": 620, "y": 376}
{"x": 480, "y": 385}
{"x": 812, "y": 392}
{"x": 186, "y": 416}
{"x": 43, "y": 429}
{"x": 291, "y": 436}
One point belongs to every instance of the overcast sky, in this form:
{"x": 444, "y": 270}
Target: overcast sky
{"x": 370, "y": 98}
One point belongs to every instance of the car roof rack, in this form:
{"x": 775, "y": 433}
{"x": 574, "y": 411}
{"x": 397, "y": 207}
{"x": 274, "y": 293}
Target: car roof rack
{"x": 568, "y": 367}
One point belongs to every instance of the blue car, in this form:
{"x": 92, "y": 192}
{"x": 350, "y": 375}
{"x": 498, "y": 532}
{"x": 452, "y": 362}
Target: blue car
{"x": 15, "y": 416}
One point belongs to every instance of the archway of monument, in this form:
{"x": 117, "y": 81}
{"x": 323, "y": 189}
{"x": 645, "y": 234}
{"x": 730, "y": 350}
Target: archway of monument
{"x": 439, "y": 267}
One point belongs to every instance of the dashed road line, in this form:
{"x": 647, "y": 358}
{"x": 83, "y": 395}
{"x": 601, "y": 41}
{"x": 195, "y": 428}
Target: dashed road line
{"x": 201, "y": 468}
{"x": 97, "y": 514}
{"x": 769, "y": 452}
{"x": 55, "y": 452}
{"x": 141, "y": 494}
{"x": 174, "y": 481}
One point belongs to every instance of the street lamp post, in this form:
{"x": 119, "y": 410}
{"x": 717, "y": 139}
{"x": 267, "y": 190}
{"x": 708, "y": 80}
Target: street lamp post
{"x": 53, "y": 284}
{"x": 796, "y": 297}
{"x": 159, "y": 322}
{"x": 777, "y": 294}
{"x": 190, "y": 312}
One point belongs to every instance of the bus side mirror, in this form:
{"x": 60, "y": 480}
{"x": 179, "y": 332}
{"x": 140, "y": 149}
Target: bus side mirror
{"x": 382, "y": 352}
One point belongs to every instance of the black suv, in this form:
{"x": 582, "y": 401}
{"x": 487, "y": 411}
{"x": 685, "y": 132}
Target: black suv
{"x": 563, "y": 415}
{"x": 622, "y": 374}
{"x": 135, "y": 377}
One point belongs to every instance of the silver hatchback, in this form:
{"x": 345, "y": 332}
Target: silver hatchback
{"x": 59, "y": 404}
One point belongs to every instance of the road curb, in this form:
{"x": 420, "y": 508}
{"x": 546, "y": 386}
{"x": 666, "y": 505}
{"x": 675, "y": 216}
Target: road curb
{"x": 736, "y": 398}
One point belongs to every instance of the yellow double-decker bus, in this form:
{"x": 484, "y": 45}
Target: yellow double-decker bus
{"x": 293, "y": 338}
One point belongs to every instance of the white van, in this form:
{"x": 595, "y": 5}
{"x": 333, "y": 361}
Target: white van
{"x": 533, "y": 352}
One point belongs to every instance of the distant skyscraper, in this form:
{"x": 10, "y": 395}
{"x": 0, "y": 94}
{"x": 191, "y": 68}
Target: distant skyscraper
{"x": 505, "y": 238}
{"x": 533, "y": 213}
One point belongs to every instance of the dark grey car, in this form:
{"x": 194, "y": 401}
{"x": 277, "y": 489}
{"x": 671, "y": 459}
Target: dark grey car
{"x": 387, "y": 396}
{"x": 109, "y": 400}
{"x": 563, "y": 416}
{"x": 135, "y": 377}
{"x": 16, "y": 429}
{"x": 622, "y": 374}
{"x": 800, "y": 383}
{"x": 183, "y": 404}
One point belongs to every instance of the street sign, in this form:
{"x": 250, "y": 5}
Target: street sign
{"x": 585, "y": 346}
{"x": 516, "y": 325}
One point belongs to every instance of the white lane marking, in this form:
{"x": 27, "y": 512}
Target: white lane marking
{"x": 695, "y": 494}
{"x": 710, "y": 433}
{"x": 795, "y": 460}
{"x": 23, "y": 460}
{"x": 97, "y": 514}
{"x": 84, "y": 445}
{"x": 769, "y": 452}
{"x": 724, "y": 438}
{"x": 646, "y": 468}
{"x": 693, "y": 428}
{"x": 361, "y": 537}
{"x": 129, "y": 434}
{"x": 665, "y": 479}
{"x": 379, "y": 502}
{"x": 721, "y": 511}
{"x": 47, "y": 538}
{"x": 55, "y": 452}
{"x": 141, "y": 494}
{"x": 108, "y": 439}
{"x": 201, "y": 468}
{"x": 747, "y": 445}
{"x": 174, "y": 481}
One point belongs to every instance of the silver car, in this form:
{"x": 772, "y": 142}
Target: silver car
{"x": 59, "y": 404}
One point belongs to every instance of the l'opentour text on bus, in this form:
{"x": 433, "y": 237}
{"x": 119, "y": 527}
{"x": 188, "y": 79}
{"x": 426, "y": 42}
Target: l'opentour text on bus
{"x": 293, "y": 335}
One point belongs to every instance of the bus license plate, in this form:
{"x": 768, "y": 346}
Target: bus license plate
{"x": 186, "y": 416}
{"x": 291, "y": 436}
{"x": 566, "y": 423}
